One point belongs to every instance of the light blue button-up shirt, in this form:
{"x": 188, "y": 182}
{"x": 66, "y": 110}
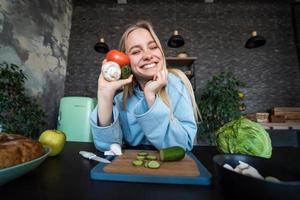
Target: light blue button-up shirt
{"x": 158, "y": 125}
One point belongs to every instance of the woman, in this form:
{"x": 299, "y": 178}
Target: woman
{"x": 155, "y": 108}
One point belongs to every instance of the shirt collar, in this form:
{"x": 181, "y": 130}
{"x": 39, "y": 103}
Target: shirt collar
{"x": 138, "y": 92}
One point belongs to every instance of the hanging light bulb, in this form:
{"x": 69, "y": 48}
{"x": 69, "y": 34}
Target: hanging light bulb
{"x": 255, "y": 41}
{"x": 101, "y": 46}
{"x": 176, "y": 40}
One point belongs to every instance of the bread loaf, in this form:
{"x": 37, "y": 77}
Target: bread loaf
{"x": 16, "y": 149}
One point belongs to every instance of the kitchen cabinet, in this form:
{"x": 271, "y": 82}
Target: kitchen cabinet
{"x": 185, "y": 64}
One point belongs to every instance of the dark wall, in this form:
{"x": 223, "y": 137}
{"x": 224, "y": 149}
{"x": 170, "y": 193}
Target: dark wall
{"x": 215, "y": 33}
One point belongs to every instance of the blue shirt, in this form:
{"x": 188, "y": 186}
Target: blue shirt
{"x": 158, "y": 125}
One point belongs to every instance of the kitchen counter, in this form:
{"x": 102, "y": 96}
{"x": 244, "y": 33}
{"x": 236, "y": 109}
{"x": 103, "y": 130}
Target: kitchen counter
{"x": 67, "y": 177}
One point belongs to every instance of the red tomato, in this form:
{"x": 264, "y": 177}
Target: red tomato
{"x": 119, "y": 57}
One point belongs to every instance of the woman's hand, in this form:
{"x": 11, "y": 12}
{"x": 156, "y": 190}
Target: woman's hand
{"x": 107, "y": 89}
{"x": 106, "y": 93}
{"x": 152, "y": 87}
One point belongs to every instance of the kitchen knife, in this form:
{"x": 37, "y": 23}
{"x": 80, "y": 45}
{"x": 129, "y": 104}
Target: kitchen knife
{"x": 92, "y": 156}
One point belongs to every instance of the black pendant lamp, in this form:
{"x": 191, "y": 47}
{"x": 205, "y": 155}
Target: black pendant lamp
{"x": 176, "y": 40}
{"x": 255, "y": 41}
{"x": 101, "y": 46}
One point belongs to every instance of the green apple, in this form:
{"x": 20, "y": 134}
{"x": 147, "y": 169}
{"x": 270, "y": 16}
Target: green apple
{"x": 54, "y": 139}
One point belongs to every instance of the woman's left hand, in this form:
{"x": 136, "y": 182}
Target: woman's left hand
{"x": 152, "y": 87}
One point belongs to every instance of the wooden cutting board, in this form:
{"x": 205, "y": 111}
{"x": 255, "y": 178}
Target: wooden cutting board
{"x": 184, "y": 167}
{"x": 186, "y": 171}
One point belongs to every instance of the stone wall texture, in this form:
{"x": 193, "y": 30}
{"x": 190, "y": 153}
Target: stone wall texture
{"x": 215, "y": 33}
{"x": 35, "y": 36}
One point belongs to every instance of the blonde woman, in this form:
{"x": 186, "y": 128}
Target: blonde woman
{"x": 157, "y": 106}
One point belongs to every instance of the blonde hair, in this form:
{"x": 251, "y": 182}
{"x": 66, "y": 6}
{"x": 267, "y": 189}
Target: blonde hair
{"x": 128, "y": 89}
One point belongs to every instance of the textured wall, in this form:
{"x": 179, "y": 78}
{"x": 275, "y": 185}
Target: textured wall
{"x": 215, "y": 33}
{"x": 296, "y": 23}
{"x": 35, "y": 36}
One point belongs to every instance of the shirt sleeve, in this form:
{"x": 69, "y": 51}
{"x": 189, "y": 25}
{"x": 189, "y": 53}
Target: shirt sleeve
{"x": 104, "y": 136}
{"x": 165, "y": 127}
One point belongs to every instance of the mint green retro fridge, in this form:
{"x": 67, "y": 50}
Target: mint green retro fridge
{"x": 74, "y": 118}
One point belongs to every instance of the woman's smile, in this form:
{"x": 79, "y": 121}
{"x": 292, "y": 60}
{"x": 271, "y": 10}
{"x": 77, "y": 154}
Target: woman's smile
{"x": 148, "y": 66}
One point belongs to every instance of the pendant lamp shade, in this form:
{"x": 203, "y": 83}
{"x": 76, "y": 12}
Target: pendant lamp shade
{"x": 176, "y": 40}
{"x": 101, "y": 46}
{"x": 255, "y": 41}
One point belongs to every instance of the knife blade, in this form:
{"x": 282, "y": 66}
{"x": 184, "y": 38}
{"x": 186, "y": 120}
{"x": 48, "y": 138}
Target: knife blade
{"x": 92, "y": 156}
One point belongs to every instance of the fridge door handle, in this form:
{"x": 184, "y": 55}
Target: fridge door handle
{"x": 59, "y": 118}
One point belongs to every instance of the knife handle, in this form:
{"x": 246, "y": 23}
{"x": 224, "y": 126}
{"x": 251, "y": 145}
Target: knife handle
{"x": 87, "y": 154}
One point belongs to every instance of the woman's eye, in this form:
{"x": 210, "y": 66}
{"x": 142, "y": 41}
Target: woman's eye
{"x": 153, "y": 47}
{"x": 135, "y": 52}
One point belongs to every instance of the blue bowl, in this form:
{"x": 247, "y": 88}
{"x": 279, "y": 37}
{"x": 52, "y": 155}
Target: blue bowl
{"x": 10, "y": 173}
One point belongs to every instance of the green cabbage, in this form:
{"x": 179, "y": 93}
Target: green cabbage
{"x": 244, "y": 136}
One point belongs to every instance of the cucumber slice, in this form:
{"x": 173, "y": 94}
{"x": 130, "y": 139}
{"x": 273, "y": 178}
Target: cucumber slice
{"x": 153, "y": 164}
{"x": 174, "y": 153}
{"x": 137, "y": 163}
{"x": 151, "y": 157}
{"x": 142, "y": 153}
{"x": 140, "y": 158}
{"x": 146, "y": 164}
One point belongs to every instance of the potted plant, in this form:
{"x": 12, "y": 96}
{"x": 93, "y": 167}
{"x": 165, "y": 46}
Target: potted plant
{"x": 219, "y": 103}
{"x": 19, "y": 114}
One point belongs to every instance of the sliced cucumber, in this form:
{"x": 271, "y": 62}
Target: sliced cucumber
{"x": 144, "y": 159}
{"x": 137, "y": 163}
{"x": 153, "y": 164}
{"x": 142, "y": 153}
{"x": 146, "y": 164}
{"x": 174, "y": 153}
{"x": 140, "y": 158}
{"x": 151, "y": 157}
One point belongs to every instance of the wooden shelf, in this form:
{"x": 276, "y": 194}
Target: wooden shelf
{"x": 185, "y": 64}
{"x": 179, "y": 62}
{"x": 281, "y": 126}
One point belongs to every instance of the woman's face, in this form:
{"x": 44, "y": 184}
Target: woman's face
{"x": 146, "y": 59}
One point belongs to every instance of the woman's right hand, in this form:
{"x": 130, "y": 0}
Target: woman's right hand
{"x": 107, "y": 89}
{"x": 106, "y": 93}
